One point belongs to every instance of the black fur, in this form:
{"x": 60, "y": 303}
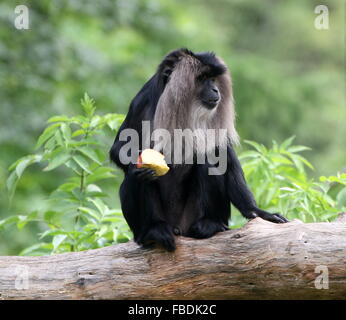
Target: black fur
{"x": 185, "y": 201}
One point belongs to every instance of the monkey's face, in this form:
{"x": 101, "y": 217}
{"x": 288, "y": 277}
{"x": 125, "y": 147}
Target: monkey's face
{"x": 208, "y": 92}
{"x": 189, "y": 77}
{"x": 195, "y": 93}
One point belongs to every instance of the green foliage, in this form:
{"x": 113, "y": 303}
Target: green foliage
{"x": 109, "y": 48}
{"x": 77, "y": 216}
{"x": 279, "y": 181}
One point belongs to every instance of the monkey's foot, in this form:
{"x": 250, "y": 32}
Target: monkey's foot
{"x": 272, "y": 217}
{"x": 162, "y": 234}
{"x": 205, "y": 228}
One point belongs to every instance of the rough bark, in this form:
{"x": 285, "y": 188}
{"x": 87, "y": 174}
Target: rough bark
{"x": 262, "y": 260}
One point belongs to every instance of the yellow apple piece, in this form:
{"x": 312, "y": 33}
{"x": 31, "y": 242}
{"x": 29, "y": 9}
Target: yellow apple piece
{"x": 150, "y": 158}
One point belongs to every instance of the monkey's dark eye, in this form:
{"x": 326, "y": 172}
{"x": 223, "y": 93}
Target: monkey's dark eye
{"x": 202, "y": 77}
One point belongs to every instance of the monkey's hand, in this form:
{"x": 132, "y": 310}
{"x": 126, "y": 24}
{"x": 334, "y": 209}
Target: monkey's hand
{"x": 272, "y": 217}
{"x": 145, "y": 174}
{"x": 160, "y": 233}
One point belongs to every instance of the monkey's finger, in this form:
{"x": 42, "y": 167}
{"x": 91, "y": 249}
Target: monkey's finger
{"x": 280, "y": 217}
{"x": 138, "y": 171}
{"x": 272, "y": 217}
{"x": 143, "y": 173}
{"x": 151, "y": 177}
{"x": 148, "y": 175}
{"x": 276, "y": 218}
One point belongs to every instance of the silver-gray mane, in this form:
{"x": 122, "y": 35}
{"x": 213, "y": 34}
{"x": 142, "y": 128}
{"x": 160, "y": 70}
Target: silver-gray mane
{"x": 179, "y": 108}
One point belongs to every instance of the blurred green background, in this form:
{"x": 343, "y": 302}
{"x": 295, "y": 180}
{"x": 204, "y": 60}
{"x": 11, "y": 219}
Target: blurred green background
{"x": 288, "y": 77}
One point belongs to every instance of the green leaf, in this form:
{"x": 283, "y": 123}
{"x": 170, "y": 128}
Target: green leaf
{"x": 306, "y": 162}
{"x": 8, "y": 221}
{"x": 287, "y": 143}
{"x": 23, "y": 163}
{"x": 101, "y": 173}
{"x": 88, "y": 105}
{"x": 280, "y": 159}
{"x": 100, "y": 205}
{"x": 78, "y": 132}
{"x": 68, "y": 187}
{"x": 114, "y": 120}
{"x": 82, "y": 162}
{"x": 58, "y": 138}
{"x": 74, "y": 166}
{"x": 260, "y": 148}
{"x": 47, "y": 133}
{"x": 341, "y": 199}
{"x": 22, "y": 221}
{"x": 66, "y": 132}
{"x": 57, "y": 241}
{"x": 96, "y": 120}
{"x": 294, "y": 149}
{"x": 38, "y": 249}
{"x": 112, "y": 219}
{"x": 84, "y": 142}
{"x": 90, "y": 153}
{"x": 51, "y": 216}
{"x": 287, "y": 189}
{"x": 58, "y": 160}
{"x": 21, "y": 166}
{"x": 115, "y": 212}
{"x": 93, "y": 213}
{"x": 249, "y": 154}
{"x": 61, "y": 118}
{"x": 51, "y": 233}
{"x": 11, "y": 184}
{"x": 93, "y": 188}
{"x": 50, "y": 144}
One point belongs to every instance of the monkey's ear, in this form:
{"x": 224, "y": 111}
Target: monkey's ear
{"x": 166, "y": 72}
{"x": 166, "y": 68}
{"x": 169, "y": 62}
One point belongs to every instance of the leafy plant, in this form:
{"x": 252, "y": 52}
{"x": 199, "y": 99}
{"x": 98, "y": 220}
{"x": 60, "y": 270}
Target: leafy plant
{"x": 278, "y": 179}
{"x": 77, "y": 217}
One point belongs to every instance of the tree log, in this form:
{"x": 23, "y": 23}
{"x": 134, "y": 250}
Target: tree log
{"x": 262, "y": 260}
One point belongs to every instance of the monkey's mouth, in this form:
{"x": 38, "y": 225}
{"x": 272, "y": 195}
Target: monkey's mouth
{"x": 211, "y": 104}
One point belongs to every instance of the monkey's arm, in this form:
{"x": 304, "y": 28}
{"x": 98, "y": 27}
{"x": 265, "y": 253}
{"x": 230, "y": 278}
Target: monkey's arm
{"x": 115, "y": 150}
{"x": 240, "y": 195}
{"x": 116, "y": 155}
{"x": 140, "y": 109}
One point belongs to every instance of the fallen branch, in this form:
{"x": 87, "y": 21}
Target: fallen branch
{"x": 262, "y": 260}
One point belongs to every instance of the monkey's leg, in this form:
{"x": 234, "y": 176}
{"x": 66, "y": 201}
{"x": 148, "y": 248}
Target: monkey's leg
{"x": 156, "y": 229}
{"x": 241, "y": 196}
{"x": 208, "y": 198}
{"x": 142, "y": 209}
